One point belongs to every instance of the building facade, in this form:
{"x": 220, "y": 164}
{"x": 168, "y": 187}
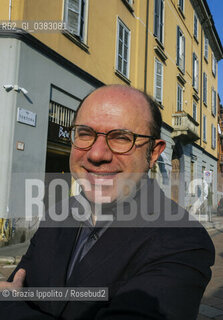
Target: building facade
{"x": 54, "y": 53}
{"x": 220, "y": 149}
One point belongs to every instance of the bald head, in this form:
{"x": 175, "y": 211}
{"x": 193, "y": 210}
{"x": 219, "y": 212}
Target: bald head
{"x": 144, "y": 106}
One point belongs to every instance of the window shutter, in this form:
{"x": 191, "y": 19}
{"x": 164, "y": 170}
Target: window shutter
{"x": 161, "y": 22}
{"x": 123, "y": 47}
{"x": 215, "y": 103}
{"x": 197, "y": 76}
{"x": 179, "y": 98}
{"x": 193, "y": 69}
{"x": 213, "y": 64}
{"x": 206, "y": 47}
{"x": 214, "y": 137}
{"x": 73, "y": 16}
{"x": 156, "y": 18}
{"x": 204, "y": 88}
{"x": 204, "y": 128}
{"x": 183, "y": 51}
{"x": 158, "y": 80}
{"x": 178, "y": 45}
{"x": 195, "y": 25}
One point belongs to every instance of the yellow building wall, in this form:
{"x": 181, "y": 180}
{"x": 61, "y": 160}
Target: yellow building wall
{"x": 100, "y": 38}
{"x": 172, "y": 18}
{"x": 100, "y": 60}
{"x": 207, "y": 110}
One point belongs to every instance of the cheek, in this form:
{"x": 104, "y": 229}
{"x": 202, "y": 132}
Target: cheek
{"x": 75, "y": 158}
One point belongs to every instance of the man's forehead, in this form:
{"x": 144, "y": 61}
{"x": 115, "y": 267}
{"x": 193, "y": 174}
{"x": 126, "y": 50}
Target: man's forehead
{"x": 116, "y": 99}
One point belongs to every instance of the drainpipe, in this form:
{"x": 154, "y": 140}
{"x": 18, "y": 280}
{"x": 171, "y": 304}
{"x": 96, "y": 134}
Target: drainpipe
{"x": 10, "y": 10}
{"x": 146, "y": 45}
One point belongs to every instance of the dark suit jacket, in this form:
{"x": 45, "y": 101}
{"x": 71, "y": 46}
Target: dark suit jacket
{"x": 152, "y": 271}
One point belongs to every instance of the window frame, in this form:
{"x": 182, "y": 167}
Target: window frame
{"x": 205, "y": 91}
{"x": 179, "y": 106}
{"x": 195, "y": 80}
{"x": 81, "y": 33}
{"x": 159, "y": 20}
{"x": 155, "y": 80}
{"x": 181, "y": 51}
{"x": 125, "y": 29}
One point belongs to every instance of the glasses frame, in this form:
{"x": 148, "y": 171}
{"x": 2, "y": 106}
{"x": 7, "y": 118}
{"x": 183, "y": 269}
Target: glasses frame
{"x": 135, "y": 136}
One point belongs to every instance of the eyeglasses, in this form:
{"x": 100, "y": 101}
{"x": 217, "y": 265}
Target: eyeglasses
{"x": 118, "y": 140}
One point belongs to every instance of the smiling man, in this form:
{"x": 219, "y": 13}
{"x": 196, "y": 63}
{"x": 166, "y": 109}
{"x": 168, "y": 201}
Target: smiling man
{"x": 153, "y": 266}
{"x": 111, "y": 140}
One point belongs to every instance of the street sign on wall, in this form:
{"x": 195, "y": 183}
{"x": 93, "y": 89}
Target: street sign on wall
{"x": 26, "y": 117}
{"x": 208, "y": 176}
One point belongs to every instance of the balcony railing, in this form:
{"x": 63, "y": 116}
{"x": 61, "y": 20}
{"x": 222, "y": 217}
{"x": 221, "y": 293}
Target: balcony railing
{"x": 185, "y": 127}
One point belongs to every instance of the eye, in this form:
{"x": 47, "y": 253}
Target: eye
{"x": 123, "y": 137}
{"x": 84, "y": 133}
{"x": 120, "y": 136}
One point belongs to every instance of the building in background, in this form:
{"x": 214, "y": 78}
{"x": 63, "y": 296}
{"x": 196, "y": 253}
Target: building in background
{"x": 54, "y": 53}
{"x": 220, "y": 149}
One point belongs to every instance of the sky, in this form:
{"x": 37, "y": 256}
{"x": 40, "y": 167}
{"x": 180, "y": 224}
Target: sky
{"x": 216, "y": 8}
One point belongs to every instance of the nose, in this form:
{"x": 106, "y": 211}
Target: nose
{"x": 100, "y": 152}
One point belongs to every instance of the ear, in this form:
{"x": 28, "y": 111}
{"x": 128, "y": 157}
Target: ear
{"x": 159, "y": 147}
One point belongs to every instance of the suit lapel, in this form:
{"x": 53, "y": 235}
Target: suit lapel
{"x": 64, "y": 246}
{"x": 112, "y": 240}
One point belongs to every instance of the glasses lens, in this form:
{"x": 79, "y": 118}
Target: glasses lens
{"x": 82, "y": 137}
{"x": 120, "y": 141}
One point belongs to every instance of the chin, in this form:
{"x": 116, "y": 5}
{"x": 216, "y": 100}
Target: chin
{"x": 99, "y": 197}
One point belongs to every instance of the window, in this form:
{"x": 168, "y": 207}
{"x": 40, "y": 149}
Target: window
{"x": 60, "y": 115}
{"x": 179, "y": 98}
{"x": 195, "y": 72}
{"x": 180, "y": 49}
{"x": 213, "y": 136}
{"x": 213, "y": 64}
{"x": 204, "y": 128}
{"x": 206, "y": 47}
{"x": 75, "y": 16}
{"x": 123, "y": 49}
{"x": 195, "y": 26}
{"x": 158, "y": 87}
{"x": 213, "y": 102}
{"x": 205, "y": 88}
{"x": 158, "y": 19}
{"x": 181, "y": 5}
{"x": 194, "y": 111}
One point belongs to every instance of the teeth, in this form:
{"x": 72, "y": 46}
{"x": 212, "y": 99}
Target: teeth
{"x": 102, "y": 174}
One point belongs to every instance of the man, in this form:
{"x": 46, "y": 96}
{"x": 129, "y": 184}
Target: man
{"x": 140, "y": 245}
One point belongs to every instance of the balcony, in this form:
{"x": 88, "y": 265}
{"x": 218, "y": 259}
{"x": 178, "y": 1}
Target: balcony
{"x": 185, "y": 127}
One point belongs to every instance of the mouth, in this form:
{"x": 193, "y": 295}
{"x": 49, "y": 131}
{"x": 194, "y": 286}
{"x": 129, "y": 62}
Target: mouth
{"x": 100, "y": 177}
